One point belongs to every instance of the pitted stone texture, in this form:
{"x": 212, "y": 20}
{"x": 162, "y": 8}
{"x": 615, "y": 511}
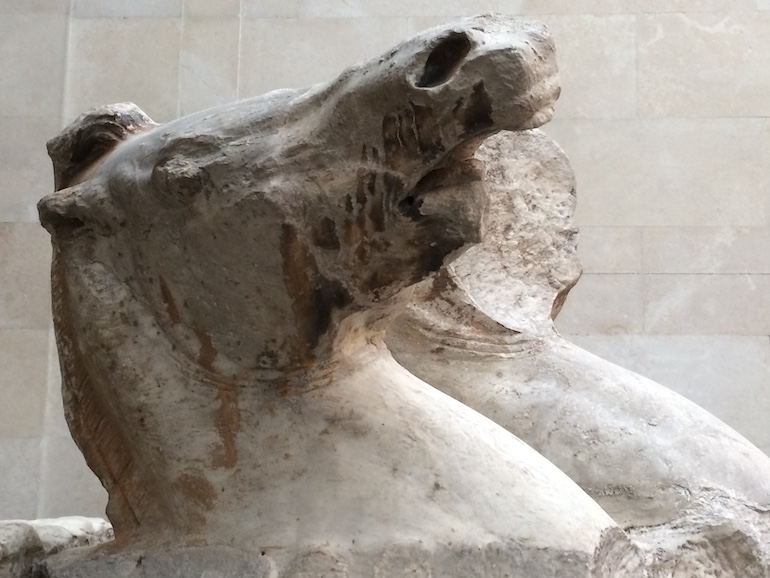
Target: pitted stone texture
{"x": 482, "y": 331}
{"x": 221, "y": 288}
{"x": 24, "y": 544}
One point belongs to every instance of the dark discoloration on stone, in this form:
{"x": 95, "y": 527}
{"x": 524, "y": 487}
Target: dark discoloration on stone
{"x": 394, "y": 148}
{"x": 393, "y": 189}
{"x": 351, "y": 233}
{"x": 371, "y": 210}
{"x": 362, "y": 175}
{"x": 476, "y": 116}
{"x": 325, "y": 235}
{"x": 441, "y": 285}
{"x": 375, "y": 222}
{"x": 433, "y": 258}
{"x": 314, "y": 297}
{"x": 409, "y": 134}
{"x": 168, "y": 301}
{"x": 207, "y": 352}
{"x": 428, "y": 132}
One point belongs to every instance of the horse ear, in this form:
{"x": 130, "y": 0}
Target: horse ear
{"x": 91, "y": 137}
{"x": 75, "y": 152}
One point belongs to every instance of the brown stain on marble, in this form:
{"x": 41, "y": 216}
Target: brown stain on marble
{"x": 314, "y": 297}
{"x": 413, "y": 134}
{"x": 429, "y": 139}
{"x": 351, "y": 233}
{"x": 394, "y": 151}
{"x": 168, "y": 301}
{"x": 196, "y": 488}
{"x": 309, "y": 325}
{"x": 476, "y": 116}
{"x": 400, "y": 138}
{"x": 227, "y": 420}
{"x": 441, "y": 286}
{"x": 227, "y": 417}
{"x": 207, "y": 352}
{"x": 325, "y": 235}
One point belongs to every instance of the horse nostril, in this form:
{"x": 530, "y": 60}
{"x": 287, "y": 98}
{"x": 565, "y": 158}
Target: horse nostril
{"x": 410, "y": 206}
{"x": 445, "y": 58}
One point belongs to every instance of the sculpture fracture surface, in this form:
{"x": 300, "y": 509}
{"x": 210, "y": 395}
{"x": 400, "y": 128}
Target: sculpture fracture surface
{"x": 221, "y": 287}
{"x": 690, "y": 490}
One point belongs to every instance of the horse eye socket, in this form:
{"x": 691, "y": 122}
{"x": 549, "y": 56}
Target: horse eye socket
{"x": 178, "y": 178}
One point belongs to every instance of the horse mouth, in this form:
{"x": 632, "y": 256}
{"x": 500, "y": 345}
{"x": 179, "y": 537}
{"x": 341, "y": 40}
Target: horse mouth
{"x": 459, "y": 174}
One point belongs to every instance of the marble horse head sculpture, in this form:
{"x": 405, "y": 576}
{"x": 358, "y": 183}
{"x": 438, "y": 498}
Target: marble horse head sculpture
{"x": 221, "y": 284}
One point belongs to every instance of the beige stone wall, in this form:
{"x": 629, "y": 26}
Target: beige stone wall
{"x": 665, "y": 114}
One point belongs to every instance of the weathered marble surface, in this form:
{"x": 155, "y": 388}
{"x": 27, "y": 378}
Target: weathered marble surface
{"x": 221, "y": 287}
{"x": 25, "y": 543}
{"x": 693, "y": 492}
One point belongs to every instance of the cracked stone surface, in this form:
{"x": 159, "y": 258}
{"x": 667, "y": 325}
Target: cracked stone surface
{"x": 693, "y": 493}
{"x": 222, "y": 284}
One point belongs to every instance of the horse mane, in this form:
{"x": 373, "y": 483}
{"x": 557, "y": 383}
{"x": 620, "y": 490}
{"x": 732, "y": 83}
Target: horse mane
{"x": 89, "y": 416}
